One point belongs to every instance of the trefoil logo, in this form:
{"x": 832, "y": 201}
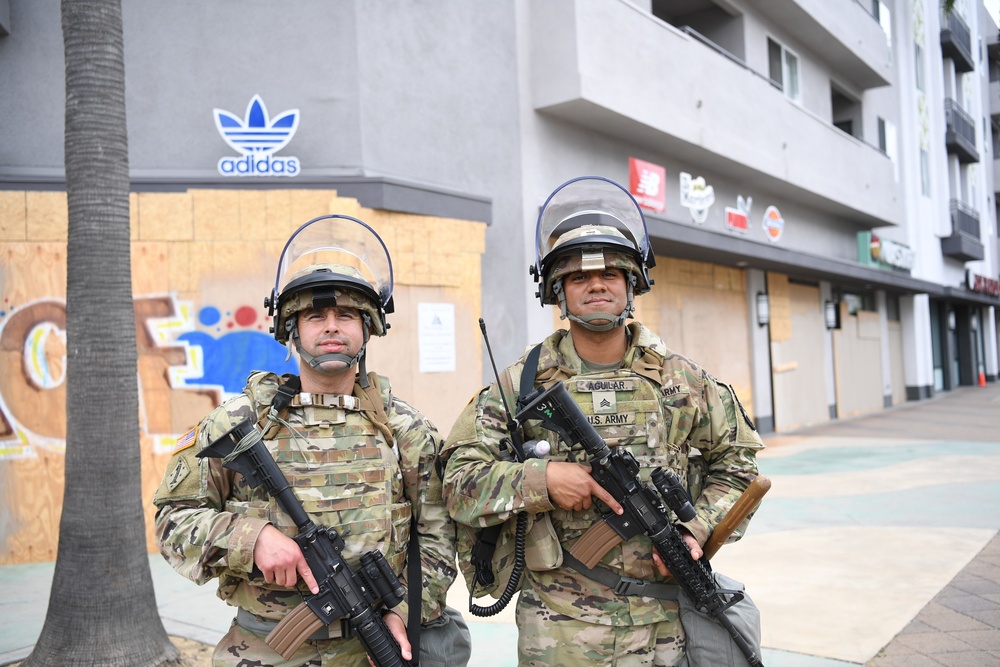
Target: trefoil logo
{"x": 257, "y": 138}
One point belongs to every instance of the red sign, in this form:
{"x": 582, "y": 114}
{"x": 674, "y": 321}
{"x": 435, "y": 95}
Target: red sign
{"x": 982, "y": 284}
{"x": 647, "y": 183}
{"x": 737, "y": 220}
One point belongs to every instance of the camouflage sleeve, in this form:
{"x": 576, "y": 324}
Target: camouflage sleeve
{"x": 196, "y": 536}
{"x": 483, "y": 486}
{"x": 728, "y": 442}
{"x": 419, "y": 446}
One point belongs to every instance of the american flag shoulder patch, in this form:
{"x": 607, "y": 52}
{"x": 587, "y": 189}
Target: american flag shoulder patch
{"x": 186, "y": 440}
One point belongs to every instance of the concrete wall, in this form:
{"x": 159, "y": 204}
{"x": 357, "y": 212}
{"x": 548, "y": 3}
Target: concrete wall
{"x": 202, "y": 262}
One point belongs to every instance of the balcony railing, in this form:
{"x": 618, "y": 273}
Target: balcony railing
{"x": 956, "y": 42}
{"x": 960, "y": 132}
{"x": 964, "y": 243}
{"x": 964, "y": 219}
{"x": 691, "y": 32}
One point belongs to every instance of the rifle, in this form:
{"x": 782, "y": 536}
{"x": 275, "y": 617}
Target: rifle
{"x": 645, "y": 504}
{"x": 342, "y": 592}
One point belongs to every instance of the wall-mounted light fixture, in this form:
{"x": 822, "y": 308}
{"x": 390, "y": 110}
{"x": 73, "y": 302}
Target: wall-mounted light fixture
{"x": 951, "y": 320}
{"x": 831, "y": 314}
{"x": 763, "y": 309}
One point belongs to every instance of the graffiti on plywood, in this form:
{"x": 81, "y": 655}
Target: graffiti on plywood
{"x": 188, "y": 362}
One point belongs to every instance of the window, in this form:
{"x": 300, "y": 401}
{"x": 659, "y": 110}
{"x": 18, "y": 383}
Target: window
{"x": 925, "y": 173}
{"x": 885, "y": 20}
{"x": 857, "y": 302}
{"x": 887, "y": 138}
{"x": 892, "y": 307}
{"x": 783, "y": 66}
{"x": 918, "y": 66}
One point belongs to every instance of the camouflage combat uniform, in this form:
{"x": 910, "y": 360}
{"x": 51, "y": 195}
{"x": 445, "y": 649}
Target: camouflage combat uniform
{"x": 346, "y": 475}
{"x": 668, "y": 412}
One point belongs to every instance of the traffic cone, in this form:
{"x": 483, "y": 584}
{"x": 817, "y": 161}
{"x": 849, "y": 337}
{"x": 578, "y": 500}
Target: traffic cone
{"x": 982, "y": 379}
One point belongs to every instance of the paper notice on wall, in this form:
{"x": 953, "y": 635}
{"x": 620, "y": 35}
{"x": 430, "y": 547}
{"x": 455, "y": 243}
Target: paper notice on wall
{"x": 436, "y": 331}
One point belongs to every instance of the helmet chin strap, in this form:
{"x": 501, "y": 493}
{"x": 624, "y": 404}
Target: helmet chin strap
{"x": 612, "y": 321}
{"x": 318, "y": 361}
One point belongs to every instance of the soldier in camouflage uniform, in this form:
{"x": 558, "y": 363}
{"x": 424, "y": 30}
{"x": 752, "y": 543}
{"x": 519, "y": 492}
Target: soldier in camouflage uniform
{"x": 360, "y": 460}
{"x": 638, "y": 394}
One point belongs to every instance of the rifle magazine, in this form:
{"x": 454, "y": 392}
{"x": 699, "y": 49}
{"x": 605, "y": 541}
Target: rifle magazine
{"x": 293, "y": 630}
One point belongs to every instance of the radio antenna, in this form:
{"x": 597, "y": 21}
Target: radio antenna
{"x": 511, "y": 424}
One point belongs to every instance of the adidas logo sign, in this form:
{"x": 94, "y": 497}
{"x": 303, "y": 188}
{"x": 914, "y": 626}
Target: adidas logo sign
{"x": 256, "y": 137}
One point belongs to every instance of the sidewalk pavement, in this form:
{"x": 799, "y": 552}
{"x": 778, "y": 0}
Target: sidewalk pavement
{"x": 877, "y": 545}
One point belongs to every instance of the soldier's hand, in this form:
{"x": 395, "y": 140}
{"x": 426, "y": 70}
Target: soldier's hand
{"x": 692, "y": 545}
{"x": 394, "y": 622}
{"x": 571, "y": 487}
{"x": 281, "y": 561}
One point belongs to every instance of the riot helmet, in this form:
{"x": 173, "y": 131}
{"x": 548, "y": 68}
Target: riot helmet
{"x": 332, "y": 260}
{"x": 591, "y": 223}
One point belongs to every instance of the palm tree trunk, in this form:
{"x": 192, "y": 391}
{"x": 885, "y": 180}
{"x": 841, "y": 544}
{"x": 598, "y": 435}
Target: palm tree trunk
{"x": 102, "y": 609}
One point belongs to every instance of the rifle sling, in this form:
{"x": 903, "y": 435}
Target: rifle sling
{"x": 623, "y": 585}
{"x": 414, "y": 587}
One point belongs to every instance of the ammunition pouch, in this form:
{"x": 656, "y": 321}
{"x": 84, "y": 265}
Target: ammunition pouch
{"x": 542, "y": 552}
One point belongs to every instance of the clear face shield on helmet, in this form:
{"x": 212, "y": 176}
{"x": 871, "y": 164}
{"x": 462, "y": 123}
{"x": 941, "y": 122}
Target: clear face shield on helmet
{"x": 584, "y": 218}
{"x": 331, "y": 260}
{"x": 589, "y": 200}
{"x": 342, "y": 240}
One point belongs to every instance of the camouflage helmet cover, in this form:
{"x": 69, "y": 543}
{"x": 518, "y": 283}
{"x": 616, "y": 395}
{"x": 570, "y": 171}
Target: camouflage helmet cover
{"x": 587, "y": 248}
{"x": 332, "y": 260}
{"x": 590, "y": 223}
{"x": 324, "y": 286}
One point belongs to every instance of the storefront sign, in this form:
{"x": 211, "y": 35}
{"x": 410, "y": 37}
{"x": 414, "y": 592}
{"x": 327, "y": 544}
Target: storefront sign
{"x": 982, "y": 284}
{"x": 883, "y": 253}
{"x": 696, "y": 196}
{"x": 892, "y": 253}
{"x": 773, "y": 224}
{"x": 646, "y": 182}
{"x": 738, "y": 219}
{"x": 257, "y": 138}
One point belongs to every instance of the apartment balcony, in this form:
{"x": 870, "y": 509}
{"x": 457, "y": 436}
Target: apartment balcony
{"x": 842, "y": 33}
{"x": 960, "y": 132}
{"x": 671, "y": 93}
{"x": 964, "y": 243}
{"x": 956, "y": 42}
